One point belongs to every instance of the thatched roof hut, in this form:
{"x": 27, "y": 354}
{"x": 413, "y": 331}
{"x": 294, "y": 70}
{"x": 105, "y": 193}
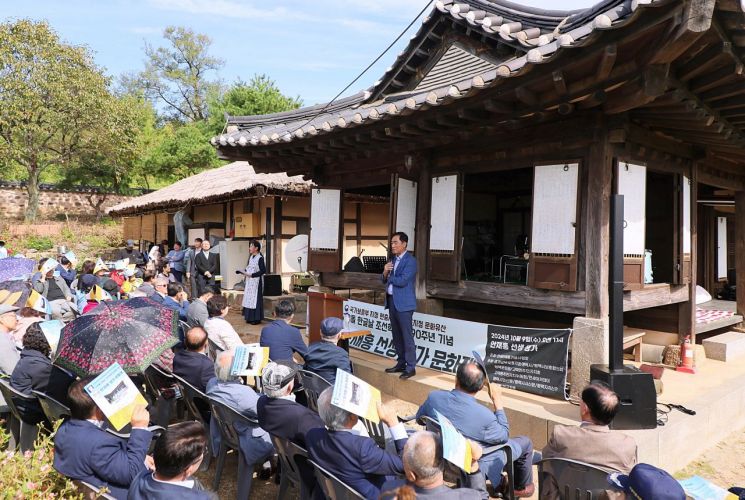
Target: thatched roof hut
{"x": 233, "y": 181}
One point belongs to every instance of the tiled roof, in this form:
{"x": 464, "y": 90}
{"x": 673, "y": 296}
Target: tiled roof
{"x": 537, "y": 35}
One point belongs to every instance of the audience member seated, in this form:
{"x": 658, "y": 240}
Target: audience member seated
{"x": 87, "y": 270}
{"x": 354, "y": 459}
{"x": 27, "y": 317}
{"x": 35, "y": 371}
{"x": 176, "y": 299}
{"x": 646, "y": 482}
{"x": 280, "y": 336}
{"x": 218, "y": 329}
{"x": 424, "y": 466}
{"x": 66, "y": 270}
{"x": 161, "y": 289}
{"x": 479, "y": 424}
{"x": 192, "y": 363}
{"x": 9, "y": 354}
{"x": 55, "y": 290}
{"x": 164, "y": 270}
{"x": 254, "y": 441}
{"x": 279, "y": 414}
{"x": 95, "y": 297}
{"x": 84, "y": 451}
{"x": 147, "y": 286}
{"x": 196, "y": 313}
{"x": 324, "y": 357}
{"x": 177, "y": 455}
{"x": 592, "y": 441}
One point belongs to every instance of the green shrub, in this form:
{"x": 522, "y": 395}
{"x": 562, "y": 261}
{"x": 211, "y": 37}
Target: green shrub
{"x": 39, "y": 243}
{"x": 31, "y": 475}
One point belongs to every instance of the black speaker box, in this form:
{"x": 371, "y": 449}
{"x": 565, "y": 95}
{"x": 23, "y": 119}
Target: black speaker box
{"x": 272, "y": 285}
{"x": 636, "y": 393}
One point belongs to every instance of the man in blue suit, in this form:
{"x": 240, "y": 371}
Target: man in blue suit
{"x": 354, "y": 459}
{"x": 399, "y": 276}
{"x": 476, "y": 422}
{"x": 282, "y": 339}
{"x": 85, "y": 452}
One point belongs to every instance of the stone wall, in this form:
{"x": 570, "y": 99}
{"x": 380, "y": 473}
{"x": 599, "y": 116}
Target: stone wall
{"x": 52, "y": 202}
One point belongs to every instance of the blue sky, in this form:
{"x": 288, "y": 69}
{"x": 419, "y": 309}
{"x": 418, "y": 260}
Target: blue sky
{"x": 312, "y": 49}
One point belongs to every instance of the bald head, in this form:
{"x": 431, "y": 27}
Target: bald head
{"x": 422, "y": 457}
{"x": 196, "y": 339}
{"x": 469, "y": 377}
{"x": 600, "y": 402}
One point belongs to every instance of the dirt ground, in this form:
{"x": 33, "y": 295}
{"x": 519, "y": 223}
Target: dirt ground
{"x": 723, "y": 464}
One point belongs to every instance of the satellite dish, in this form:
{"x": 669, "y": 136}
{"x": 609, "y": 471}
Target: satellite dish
{"x": 296, "y": 253}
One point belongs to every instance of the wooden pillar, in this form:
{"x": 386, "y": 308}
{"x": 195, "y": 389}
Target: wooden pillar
{"x": 740, "y": 250}
{"x": 277, "y": 234}
{"x": 687, "y": 310}
{"x": 422, "y": 227}
{"x": 358, "y": 226}
{"x": 595, "y": 228}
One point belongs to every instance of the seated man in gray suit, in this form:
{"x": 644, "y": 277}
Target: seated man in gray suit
{"x": 423, "y": 468}
{"x": 592, "y": 441}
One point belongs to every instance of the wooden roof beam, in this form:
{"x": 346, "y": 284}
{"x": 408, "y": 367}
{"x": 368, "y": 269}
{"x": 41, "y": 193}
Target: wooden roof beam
{"x": 682, "y": 93}
{"x": 695, "y": 22}
{"x": 607, "y": 61}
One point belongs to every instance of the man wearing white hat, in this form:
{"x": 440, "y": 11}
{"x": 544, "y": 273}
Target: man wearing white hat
{"x": 55, "y": 290}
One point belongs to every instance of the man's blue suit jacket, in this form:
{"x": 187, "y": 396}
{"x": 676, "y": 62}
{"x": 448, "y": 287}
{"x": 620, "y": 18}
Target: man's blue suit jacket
{"x": 84, "y": 452}
{"x": 403, "y": 279}
{"x": 356, "y": 460}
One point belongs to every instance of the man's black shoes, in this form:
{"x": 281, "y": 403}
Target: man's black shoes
{"x": 407, "y": 375}
{"x": 395, "y": 369}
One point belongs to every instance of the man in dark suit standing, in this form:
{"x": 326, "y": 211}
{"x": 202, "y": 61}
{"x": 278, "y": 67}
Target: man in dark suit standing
{"x": 205, "y": 266}
{"x": 357, "y": 460}
{"x": 399, "y": 276}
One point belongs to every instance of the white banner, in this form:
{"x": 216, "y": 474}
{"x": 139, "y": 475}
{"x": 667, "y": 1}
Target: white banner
{"x": 441, "y": 343}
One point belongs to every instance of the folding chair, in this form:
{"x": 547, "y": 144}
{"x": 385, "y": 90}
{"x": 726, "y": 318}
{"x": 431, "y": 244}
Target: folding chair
{"x": 226, "y": 417}
{"x": 213, "y": 349}
{"x": 155, "y": 380}
{"x": 456, "y": 473}
{"x": 23, "y": 433}
{"x": 53, "y": 409}
{"x": 375, "y": 431}
{"x": 90, "y": 492}
{"x": 294, "y": 463}
{"x": 313, "y": 385}
{"x": 193, "y": 398}
{"x": 575, "y": 480}
{"x": 333, "y": 488}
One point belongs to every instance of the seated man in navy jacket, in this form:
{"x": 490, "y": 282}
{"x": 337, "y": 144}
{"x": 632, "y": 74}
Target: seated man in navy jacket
{"x": 177, "y": 455}
{"x": 354, "y": 459}
{"x": 280, "y": 336}
{"x": 193, "y": 365}
{"x": 478, "y": 423}
{"x": 324, "y": 357}
{"x": 84, "y": 451}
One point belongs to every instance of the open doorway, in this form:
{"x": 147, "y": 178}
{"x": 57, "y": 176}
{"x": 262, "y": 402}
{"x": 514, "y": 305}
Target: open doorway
{"x": 661, "y": 226}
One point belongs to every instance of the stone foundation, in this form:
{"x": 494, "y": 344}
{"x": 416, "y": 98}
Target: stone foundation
{"x": 13, "y": 202}
{"x": 589, "y": 346}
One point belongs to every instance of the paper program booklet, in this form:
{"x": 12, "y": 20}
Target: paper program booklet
{"x": 249, "y": 360}
{"x": 356, "y": 396}
{"x": 456, "y": 449}
{"x": 52, "y": 330}
{"x": 116, "y": 395}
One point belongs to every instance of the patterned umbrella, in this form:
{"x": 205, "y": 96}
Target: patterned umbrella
{"x": 133, "y": 333}
{"x": 15, "y": 267}
{"x": 14, "y": 292}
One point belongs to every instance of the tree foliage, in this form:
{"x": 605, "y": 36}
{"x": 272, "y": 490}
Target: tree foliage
{"x": 177, "y": 76}
{"x": 52, "y": 98}
{"x": 259, "y": 96}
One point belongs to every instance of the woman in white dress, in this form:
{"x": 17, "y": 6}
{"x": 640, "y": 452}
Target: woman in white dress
{"x": 253, "y": 297}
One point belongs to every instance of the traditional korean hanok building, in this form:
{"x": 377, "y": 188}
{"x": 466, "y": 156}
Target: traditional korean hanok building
{"x": 501, "y": 131}
{"x": 236, "y": 202}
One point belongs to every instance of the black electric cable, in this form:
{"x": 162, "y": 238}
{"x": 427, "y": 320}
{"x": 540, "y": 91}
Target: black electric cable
{"x": 326, "y": 106}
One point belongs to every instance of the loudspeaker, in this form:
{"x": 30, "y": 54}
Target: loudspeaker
{"x": 636, "y": 394}
{"x": 272, "y": 285}
{"x": 354, "y": 265}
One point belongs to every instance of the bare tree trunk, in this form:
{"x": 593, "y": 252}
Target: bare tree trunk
{"x": 32, "y": 188}
{"x": 101, "y": 198}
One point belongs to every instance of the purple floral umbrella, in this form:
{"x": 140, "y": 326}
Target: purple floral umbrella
{"x": 14, "y": 293}
{"x": 15, "y": 267}
{"x": 133, "y": 333}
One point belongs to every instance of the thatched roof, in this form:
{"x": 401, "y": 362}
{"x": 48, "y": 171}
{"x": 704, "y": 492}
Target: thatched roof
{"x": 232, "y": 181}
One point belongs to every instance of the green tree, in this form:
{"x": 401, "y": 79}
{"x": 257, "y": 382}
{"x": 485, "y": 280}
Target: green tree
{"x": 181, "y": 151}
{"x": 52, "y": 97}
{"x": 177, "y": 76}
{"x": 259, "y": 96}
